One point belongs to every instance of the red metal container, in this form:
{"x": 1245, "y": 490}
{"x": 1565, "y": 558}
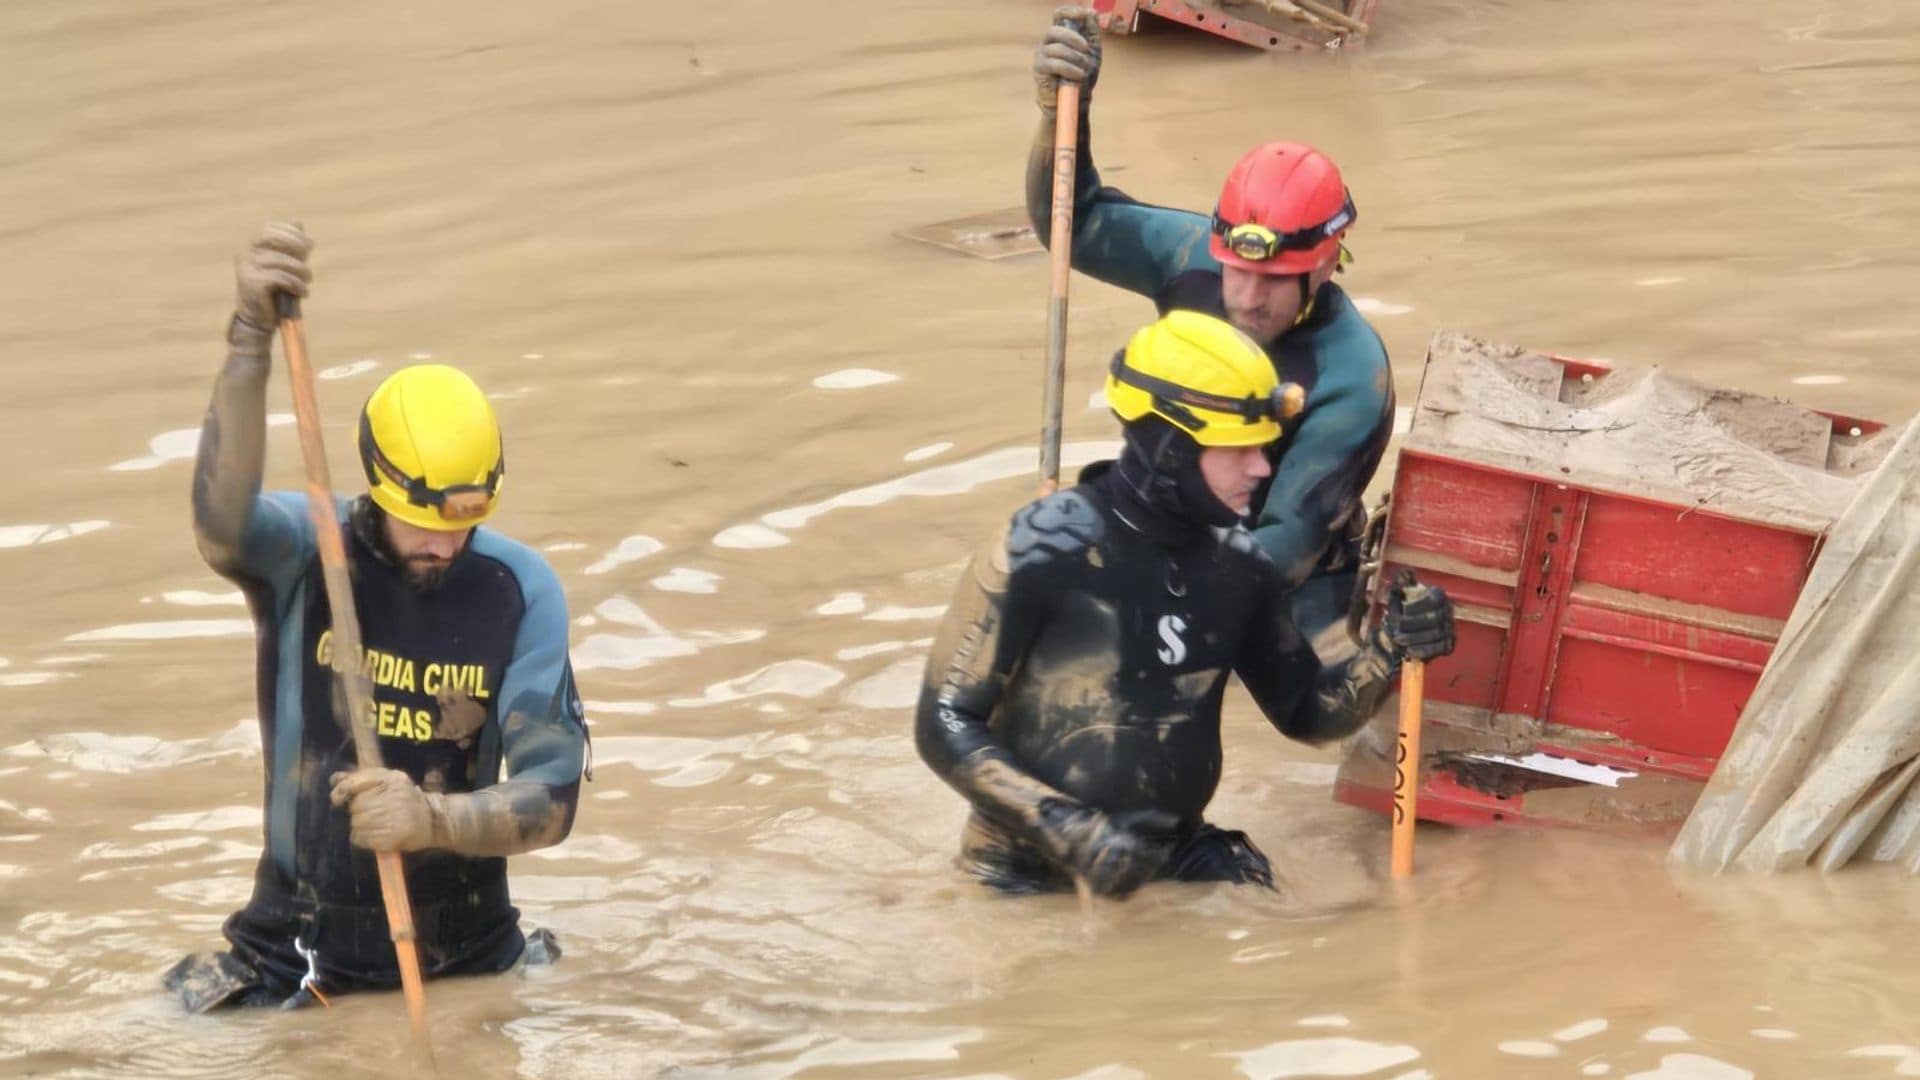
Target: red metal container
{"x": 1252, "y": 24}
{"x": 1609, "y": 615}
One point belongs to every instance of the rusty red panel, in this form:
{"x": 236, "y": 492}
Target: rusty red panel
{"x": 1124, "y": 15}
{"x": 1458, "y": 510}
{"x": 1657, "y": 700}
{"x": 1471, "y": 676}
{"x": 1546, "y": 576}
{"x": 1670, "y": 635}
{"x": 1661, "y": 551}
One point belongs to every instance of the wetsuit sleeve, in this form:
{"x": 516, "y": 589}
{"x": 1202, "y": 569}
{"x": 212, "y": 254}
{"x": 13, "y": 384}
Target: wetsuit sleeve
{"x": 995, "y": 617}
{"x": 1129, "y": 244}
{"x": 543, "y": 738}
{"x": 243, "y": 535}
{"x": 1327, "y": 465}
{"x": 1300, "y": 697}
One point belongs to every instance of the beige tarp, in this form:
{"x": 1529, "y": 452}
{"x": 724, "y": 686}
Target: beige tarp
{"x": 1822, "y": 766}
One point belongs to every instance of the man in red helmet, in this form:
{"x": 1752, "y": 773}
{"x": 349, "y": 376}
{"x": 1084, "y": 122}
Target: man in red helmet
{"x": 1264, "y": 260}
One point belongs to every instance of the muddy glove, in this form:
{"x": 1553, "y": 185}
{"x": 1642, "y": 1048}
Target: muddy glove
{"x": 389, "y": 811}
{"x": 1070, "y": 51}
{"x": 1113, "y": 853}
{"x": 1419, "y": 623}
{"x": 276, "y": 262}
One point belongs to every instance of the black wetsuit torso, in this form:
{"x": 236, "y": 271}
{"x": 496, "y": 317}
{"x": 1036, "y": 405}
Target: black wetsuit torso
{"x": 1085, "y": 657}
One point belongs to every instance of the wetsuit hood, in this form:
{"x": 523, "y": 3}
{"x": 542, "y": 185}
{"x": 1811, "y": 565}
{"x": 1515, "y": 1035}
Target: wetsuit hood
{"x": 1157, "y": 487}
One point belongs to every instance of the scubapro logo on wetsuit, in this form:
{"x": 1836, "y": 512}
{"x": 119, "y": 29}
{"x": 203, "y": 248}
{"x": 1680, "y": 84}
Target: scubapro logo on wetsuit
{"x": 1175, "y": 650}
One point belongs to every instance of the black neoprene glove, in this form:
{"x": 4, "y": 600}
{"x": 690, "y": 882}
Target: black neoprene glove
{"x": 1113, "y": 853}
{"x": 1419, "y": 624}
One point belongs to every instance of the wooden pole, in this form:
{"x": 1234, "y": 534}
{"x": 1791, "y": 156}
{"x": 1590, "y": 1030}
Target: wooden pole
{"x": 1406, "y": 765}
{"x": 1066, "y": 136}
{"x": 346, "y": 650}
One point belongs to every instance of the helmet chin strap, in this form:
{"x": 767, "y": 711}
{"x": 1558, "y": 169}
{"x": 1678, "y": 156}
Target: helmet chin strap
{"x": 1307, "y": 296}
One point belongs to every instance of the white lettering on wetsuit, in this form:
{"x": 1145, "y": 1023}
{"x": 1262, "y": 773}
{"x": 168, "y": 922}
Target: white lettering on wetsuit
{"x": 1175, "y": 650}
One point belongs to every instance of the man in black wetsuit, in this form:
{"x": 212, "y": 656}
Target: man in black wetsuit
{"x": 1073, "y": 693}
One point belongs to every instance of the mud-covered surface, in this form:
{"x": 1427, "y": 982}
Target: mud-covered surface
{"x": 757, "y": 435}
{"x": 1640, "y": 431}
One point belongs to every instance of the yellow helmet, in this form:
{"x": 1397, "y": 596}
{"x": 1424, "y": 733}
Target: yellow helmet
{"x": 1203, "y": 376}
{"x": 431, "y": 447}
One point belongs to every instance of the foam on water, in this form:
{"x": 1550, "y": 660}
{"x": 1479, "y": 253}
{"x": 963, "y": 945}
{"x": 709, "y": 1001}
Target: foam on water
{"x": 1666, "y": 1035}
{"x": 1583, "y": 1029}
{"x": 625, "y": 652}
{"x": 223, "y": 893}
{"x": 33, "y": 678}
{"x": 631, "y": 549}
{"x": 34, "y": 814}
{"x": 861, "y": 652}
{"x": 92, "y": 751}
{"x": 600, "y": 848}
{"x": 1322, "y": 1057}
{"x": 957, "y": 478}
{"x": 162, "y": 631}
{"x": 202, "y": 598}
{"x": 180, "y": 445}
{"x": 1692, "y": 1067}
{"x": 13, "y": 536}
{"x": 750, "y": 537}
{"x": 922, "y": 453}
{"x": 220, "y": 819}
{"x": 846, "y": 603}
{"x": 1332, "y": 1020}
{"x": 790, "y": 678}
{"x": 1529, "y": 1048}
{"x": 1367, "y": 305}
{"x": 681, "y": 579}
{"x": 854, "y": 379}
{"x": 622, "y": 708}
{"x": 690, "y": 762}
{"x": 347, "y": 370}
{"x": 844, "y": 1052}
{"x": 893, "y": 613}
{"x": 1908, "y": 1057}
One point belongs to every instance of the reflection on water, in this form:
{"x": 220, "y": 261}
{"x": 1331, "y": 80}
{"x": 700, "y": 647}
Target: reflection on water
{"x": 12, "y": 536}
{"x": 162, "y": 631}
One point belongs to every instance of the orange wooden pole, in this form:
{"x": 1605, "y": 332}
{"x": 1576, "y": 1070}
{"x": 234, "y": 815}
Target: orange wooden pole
{"x": 346, "y": 644}
{"x": 1406, "y": 766}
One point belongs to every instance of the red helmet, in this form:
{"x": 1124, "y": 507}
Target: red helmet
{"x": 1283, "y": 211}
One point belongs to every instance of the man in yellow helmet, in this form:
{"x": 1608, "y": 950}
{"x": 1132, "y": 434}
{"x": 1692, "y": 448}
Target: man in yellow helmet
{"x": 1073, "y": 693}
{"x": 465, "y": 642}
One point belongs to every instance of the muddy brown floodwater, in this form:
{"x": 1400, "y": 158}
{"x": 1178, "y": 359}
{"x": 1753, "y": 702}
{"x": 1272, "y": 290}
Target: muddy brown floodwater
{"x": 756, "y": 435}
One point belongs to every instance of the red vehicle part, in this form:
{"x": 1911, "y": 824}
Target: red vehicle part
{"x": 1123, "y": 17}
{"x": 1595, "y": 628}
